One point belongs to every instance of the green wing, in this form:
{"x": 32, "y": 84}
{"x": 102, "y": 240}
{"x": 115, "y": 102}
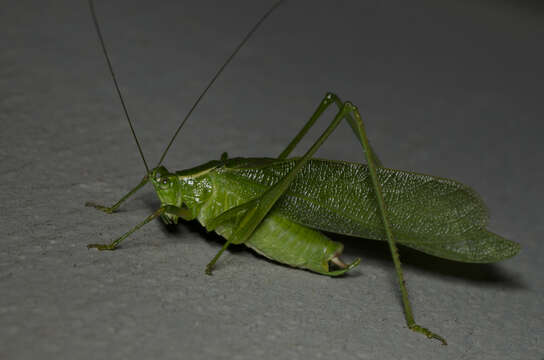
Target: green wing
{"x": 438, "y": 216}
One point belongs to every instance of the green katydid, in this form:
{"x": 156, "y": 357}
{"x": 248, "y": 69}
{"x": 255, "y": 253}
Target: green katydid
{"x": 277, "y": 206}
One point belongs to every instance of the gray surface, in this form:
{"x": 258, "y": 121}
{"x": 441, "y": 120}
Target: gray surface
{"x": 452, "y": 90}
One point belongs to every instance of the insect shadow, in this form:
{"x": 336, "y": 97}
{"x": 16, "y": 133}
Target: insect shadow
{"x": 372, "y": 251}
{"x": 491, "y": 275}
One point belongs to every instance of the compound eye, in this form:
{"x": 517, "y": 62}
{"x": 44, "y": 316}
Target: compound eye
{"x": 165, "y": 183}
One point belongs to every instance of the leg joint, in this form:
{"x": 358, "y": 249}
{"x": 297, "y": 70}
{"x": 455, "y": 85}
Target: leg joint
{"x": 331, "y": 97}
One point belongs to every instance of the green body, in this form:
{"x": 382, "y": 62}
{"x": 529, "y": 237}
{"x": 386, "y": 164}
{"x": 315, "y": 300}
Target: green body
{"x": 274, "y": 205}
{"x": 438, "y": 216}
{"x": 209, "y": 190}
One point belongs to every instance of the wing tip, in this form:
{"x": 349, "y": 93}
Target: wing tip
{"x": 481, "y": 246}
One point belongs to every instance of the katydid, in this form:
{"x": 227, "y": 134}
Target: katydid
{"x": 278, "y": 206}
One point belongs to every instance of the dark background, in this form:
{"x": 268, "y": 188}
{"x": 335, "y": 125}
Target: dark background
{"x": 449, "y": 88}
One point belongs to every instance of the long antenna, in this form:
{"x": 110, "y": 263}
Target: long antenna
{"x": 110, "y": 67}
{"x": 195, "y": 104}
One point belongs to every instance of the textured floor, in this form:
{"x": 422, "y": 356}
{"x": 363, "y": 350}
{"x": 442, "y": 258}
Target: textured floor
{"x": 447, "y": 88}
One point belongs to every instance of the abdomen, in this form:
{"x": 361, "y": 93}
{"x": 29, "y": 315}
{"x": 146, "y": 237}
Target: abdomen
{"x": 276, "y": 238}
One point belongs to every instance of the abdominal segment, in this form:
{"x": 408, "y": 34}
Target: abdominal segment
{"x": 284, "y": 241}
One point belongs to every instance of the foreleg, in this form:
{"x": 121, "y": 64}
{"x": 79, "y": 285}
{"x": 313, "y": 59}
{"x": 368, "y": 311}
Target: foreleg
{"x": 168, "y": 209}
{"x": 111, "y": 209}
